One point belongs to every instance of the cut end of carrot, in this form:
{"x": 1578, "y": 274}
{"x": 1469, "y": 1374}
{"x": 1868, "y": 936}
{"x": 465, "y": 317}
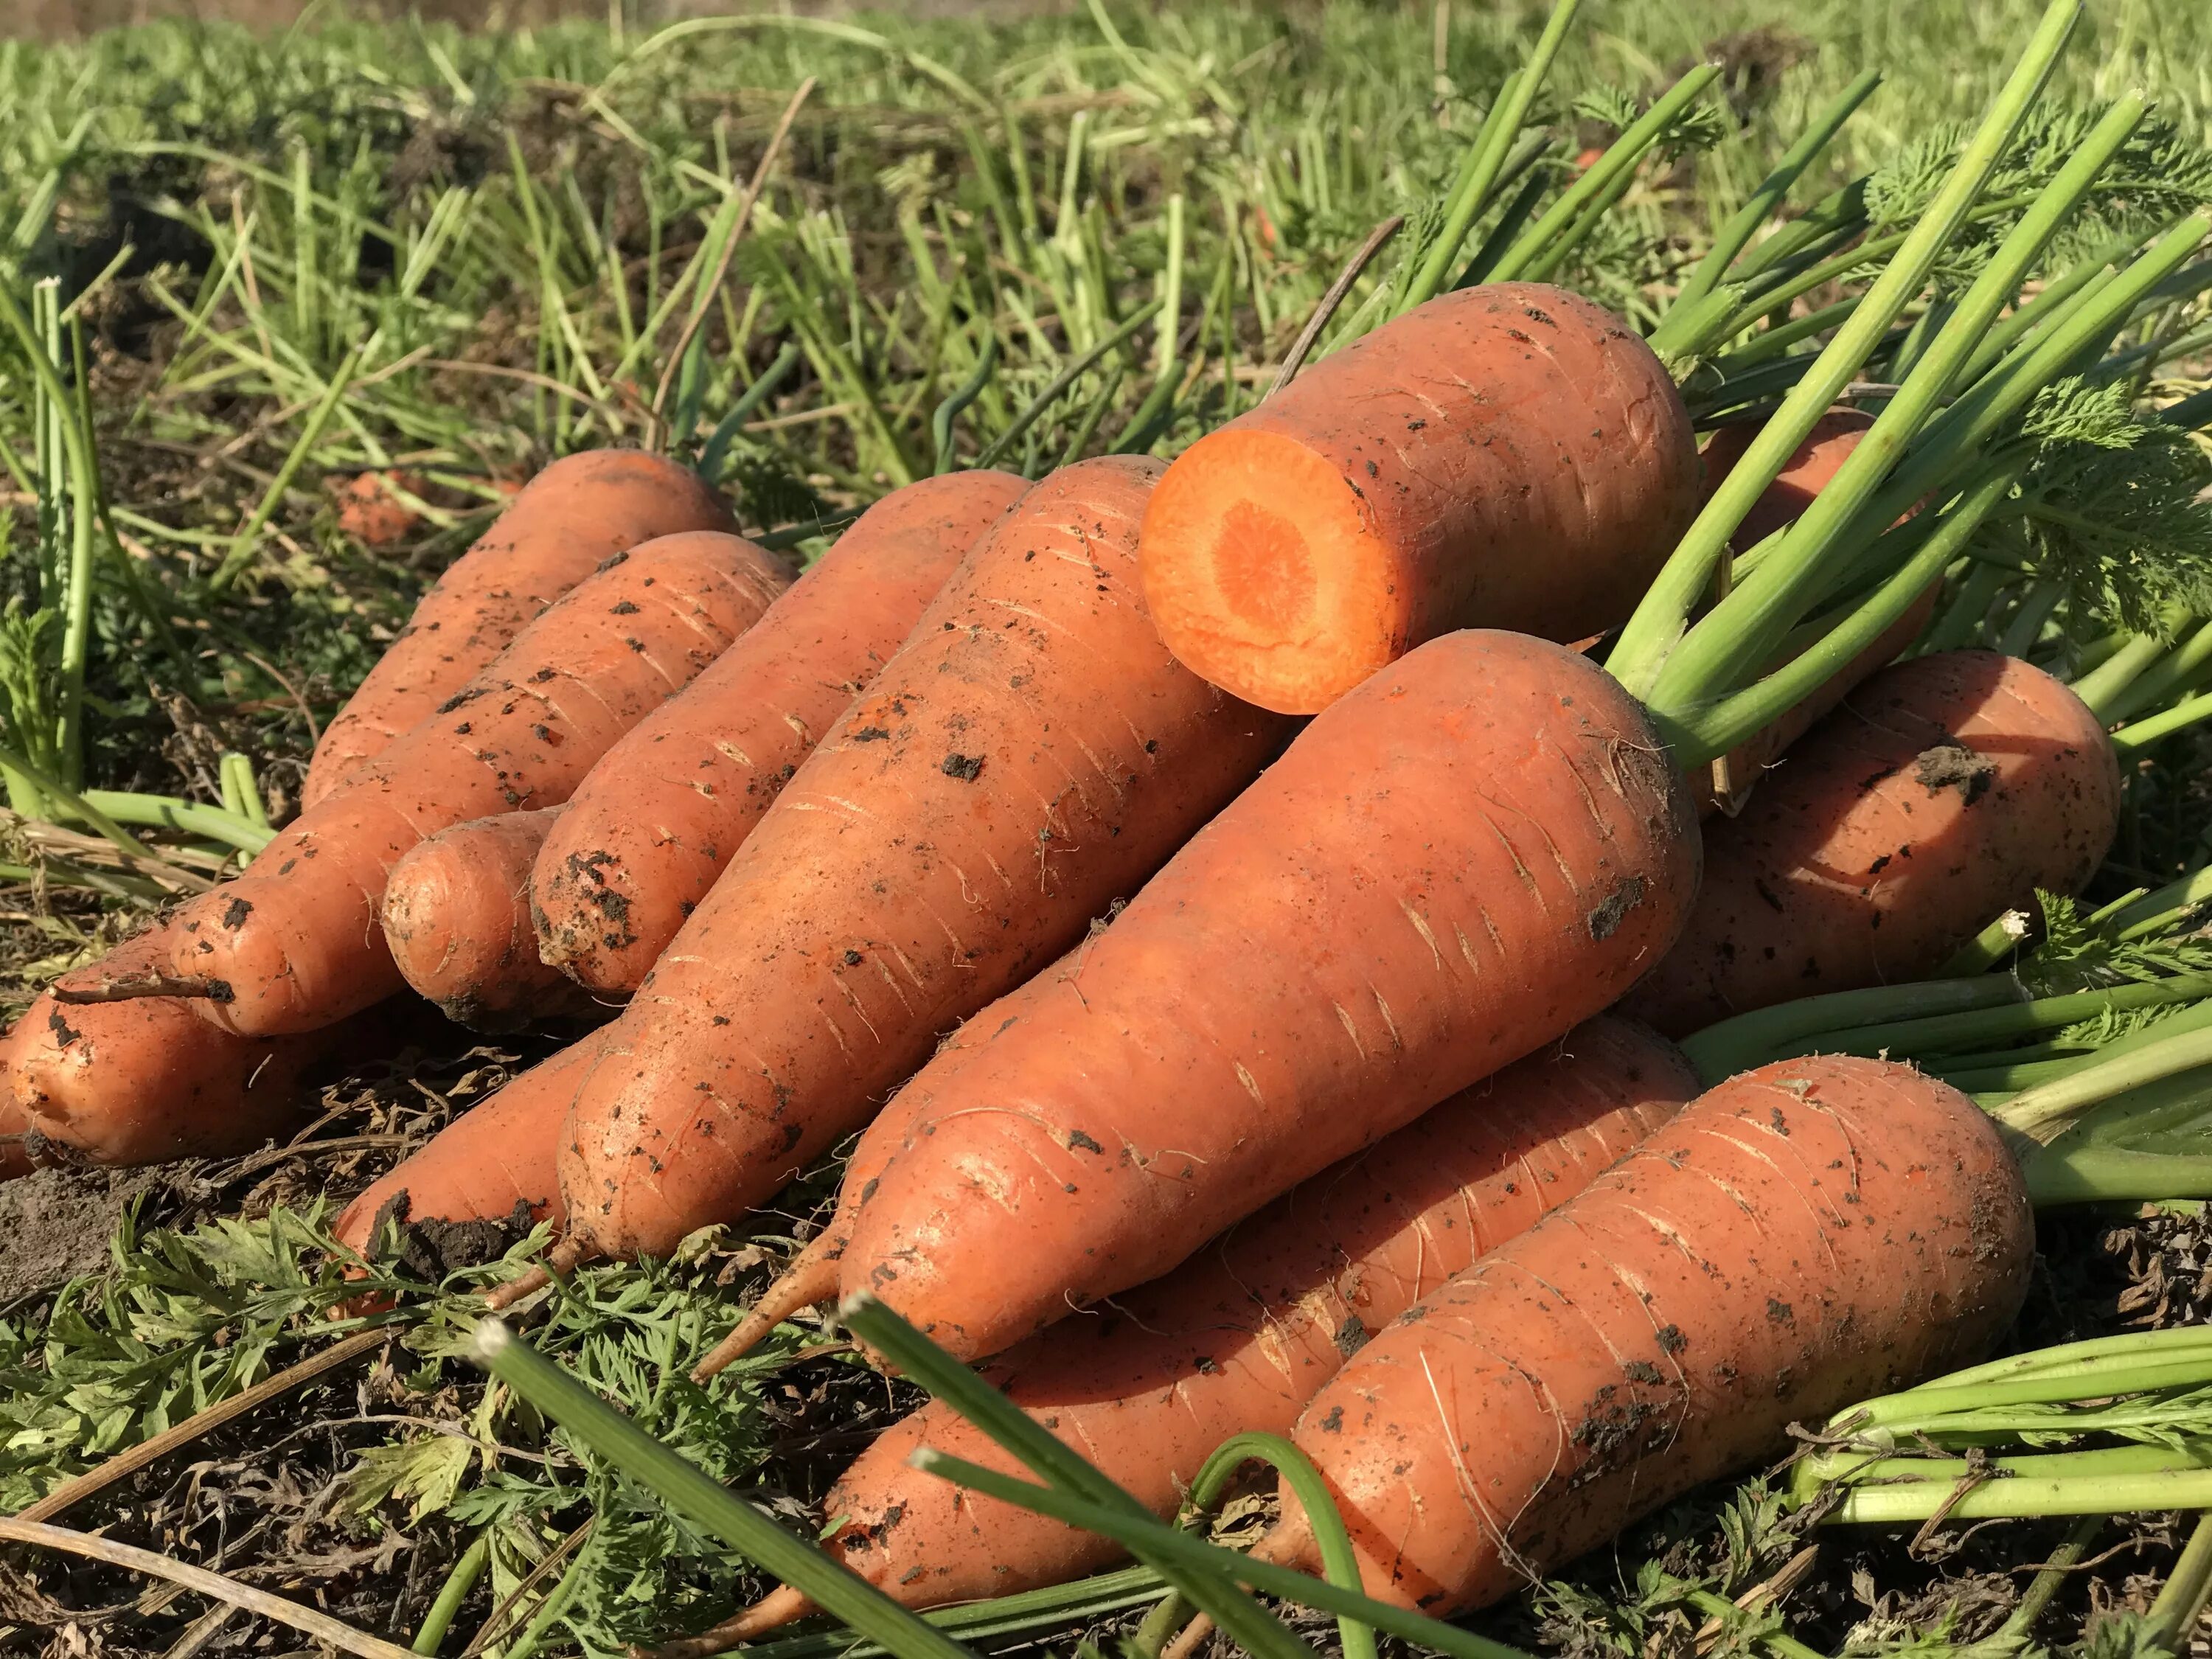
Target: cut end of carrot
{"x": 1264, "y": 575}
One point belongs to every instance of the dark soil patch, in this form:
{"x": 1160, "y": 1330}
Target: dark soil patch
{"x": 57, "y": 1224}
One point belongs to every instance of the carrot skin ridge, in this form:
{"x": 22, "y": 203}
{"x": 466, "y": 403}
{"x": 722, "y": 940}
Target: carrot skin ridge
{"x": 961, "y": 825}
{"x": 566, "y": 522}
{"x": 660, "y": 816}
{"x": 295, "y": 937}
{"x": 1181, "y": 1078}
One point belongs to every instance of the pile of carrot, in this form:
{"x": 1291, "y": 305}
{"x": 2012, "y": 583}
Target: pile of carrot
{"x": 1240, "y": 911}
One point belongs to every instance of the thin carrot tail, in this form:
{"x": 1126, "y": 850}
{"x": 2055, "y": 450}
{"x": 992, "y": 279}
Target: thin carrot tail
{"x": 811, "y": 1278}
{"x": 772, "y": 1611}
{"x": 564, "y": 1258}
{"x": 1288, "y": 1543}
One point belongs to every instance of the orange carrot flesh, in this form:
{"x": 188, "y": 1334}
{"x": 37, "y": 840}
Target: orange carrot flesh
{"x": 568, "y": 521}
{"x": 1031, "y": 754}
{"x": 296, "y": 938}
{"x": 1507, "y": 456}
{"x": 1239, "y": 1338}
{"x": 1796, "y": 1239}
{"x": 494, "y": 1156}
{"x": 148, "y": 1081}
{"x": 457, "y": 921}
{"x": 1945, "y": 790}
{"x": 1475, "y": 851}
{"x": 660, "y": 818}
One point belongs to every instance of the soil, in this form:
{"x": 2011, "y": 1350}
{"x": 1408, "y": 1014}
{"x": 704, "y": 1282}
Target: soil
{"x": 58, "y": 1222}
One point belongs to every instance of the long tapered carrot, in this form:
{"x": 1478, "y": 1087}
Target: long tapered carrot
{"x": 1507, "y": 456}
{"x": 146, "y": 1080}
{"x": 1796, "y": 1239}
{"x": 1240, "y": 1337}
{"x": 662, "y": 815}
{"x": 568, "y": 521}
{"x": 1030, "y": 755}
{"x": 1945, "y": 791}
{"x": 294, "y": 942}
{"x": 456, "y": 918}
{"x": 1476, "y": 850}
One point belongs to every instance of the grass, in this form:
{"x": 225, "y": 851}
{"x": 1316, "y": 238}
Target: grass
{"x": 243, "y": 270}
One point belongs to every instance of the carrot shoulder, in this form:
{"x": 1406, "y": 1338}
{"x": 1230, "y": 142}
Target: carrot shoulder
{"x": 1031, "y": 754}
{"x": 568, "y": 521}
{"x": 456, "y": 919}
{"x": 295, "y": 941}
{"x": 1796, "y": 1239}
{"x": 1507, "y": 456}
{"x": 661, "y": 816}
{"x": 1457, "y": 863}
{"x": 1943, "y": 792}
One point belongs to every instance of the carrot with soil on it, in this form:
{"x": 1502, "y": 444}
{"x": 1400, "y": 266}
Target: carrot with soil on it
{"x": 566, "y": 523}
{"x": 456, "y": 919}
{"x": 1240, "y": 1337}
{"x": 1029, "y": 756}
{"x": 1796, "y": 1238}
{"x": 1506, "y": 456}
{"x": 660, "y": 818}
{"x": 294, "y": 941}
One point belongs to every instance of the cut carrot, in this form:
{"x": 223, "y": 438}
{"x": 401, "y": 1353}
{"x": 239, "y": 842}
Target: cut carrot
{"x": 569, "y": 521}
{"x": 1798, "y": 1238}
{"x": 662, "y": 815}
{"x": 1507, "y": 456}
{"x": 294, "y": 942}
{"x": 1473, "y": 852}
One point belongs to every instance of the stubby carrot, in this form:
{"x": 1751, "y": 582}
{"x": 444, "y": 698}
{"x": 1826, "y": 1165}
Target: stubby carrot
{"x": 146, "y": 1080}
{"x": 1507, "y": 456}
{"x": 456, "y": 919}
{"x": 294, "y": 942}
{"x": 1457, "y": 863}
{"x": 662, "y": 815}
{"x": 1796, "y": 1239}
{"x": 1239, "y": 1338}
{"x": 1030, "y": 755}
{"x": 568, "y": 521}
{"x": 1945, "y": 791}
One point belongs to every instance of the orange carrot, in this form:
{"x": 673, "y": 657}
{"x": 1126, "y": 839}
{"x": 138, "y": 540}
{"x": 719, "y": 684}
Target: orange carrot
{"x": 571, "y": 519}
{"x": 1945, "y": 790}
{"x": 294, "y": 942}
{"x": 1240, "y": 1337}
{"x": 491, "y": 1164}
{"x": 1506, "y": 456}
{"x": 146, "y": 1080}
{"x": 660, "y": 818}
{"x": 370, "y": 510}
{"x": 1455, "y": 864}
{"x": 457, "y": 921}
{"x": 1796, "y": 1239}
{"x": 1031, "y": 754}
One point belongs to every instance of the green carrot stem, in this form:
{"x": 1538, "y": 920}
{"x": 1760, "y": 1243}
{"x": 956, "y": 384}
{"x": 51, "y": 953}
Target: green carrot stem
{"x": 686, "y": 1488}
{"x": 241, "y": 550}
{"x": 2179, "y": 666}
{"x": 1569, "y": 217}
{"x": 1813, "y": 235}
{"x": 2175, "y": 1612}
{"x": 2056, "y": 296}
{"x": 2027, "y": 1498}
{"x": 2041, "y": 1112}
{"x": 1133, "y": 1533}
{"x": 714, "y": 457}
{"x": 1867, "y": 1468}
{"x": 2026, "y": 626}
{"x": 940, "y": 421}
{"x": 1513, "y": 219}
{"x": 1057, "y": 387}
{"x": 454, "y": 1591}
{"x": 1771, "y": 343}
{"x": 1744, "y": 1041}
{"x": 1733, "y": 236}
{"x": 2132, "y": 739}
{"x": 1296, "y": 1473}
{"x": 1968, "y": 607}
{"x": 2155, "y": 911}
{"x": 1933, "y": 1033}
{"x": 2021, "y": 1077}
{"x": 1748, "y": 624}
{"x": 2102, "y": 686}
{"x": 2084, "y": 1173}
{"x": 1052, "y": 1609}
{"x": 2088, "y": 1362}
{"x": 1241, "y": 1618}
{"x": 192, "y": 817}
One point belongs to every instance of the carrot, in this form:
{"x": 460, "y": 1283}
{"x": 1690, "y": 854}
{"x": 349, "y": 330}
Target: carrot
{"x": 659, "y": 818}
{"x": 570, "y": 519}
{"x": 1455, "y": 864}
{"x": 371, "y": 512}
{"x": 457, "y": 921}
{"x": 486, "y": 1164}
{"x": 1240, "y": 1337}
{"x": 1506, "y": 456}
{"x": 1031, "y": 754}
{"x": 1945, "y": 791}
{"x": 17, "y": 1153}
{"x": 1807, "y": 472}
{"x": 1797, "y": 1238}
{"x": 146, "y": 1080}
{"x": 294, "y": 942}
